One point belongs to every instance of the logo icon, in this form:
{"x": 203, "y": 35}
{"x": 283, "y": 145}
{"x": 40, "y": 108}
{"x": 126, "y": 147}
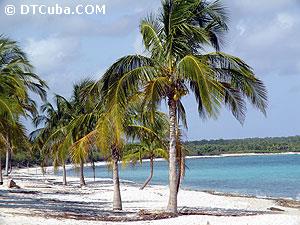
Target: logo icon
{"x": 10, "y": 10}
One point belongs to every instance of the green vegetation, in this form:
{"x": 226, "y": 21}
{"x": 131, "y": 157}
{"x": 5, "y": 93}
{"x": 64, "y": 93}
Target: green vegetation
{"x": 17, "y": 84}
{"x": 247, "y": 145}
{"x": 119, "y": 113}
{"x": 178, "y": 63}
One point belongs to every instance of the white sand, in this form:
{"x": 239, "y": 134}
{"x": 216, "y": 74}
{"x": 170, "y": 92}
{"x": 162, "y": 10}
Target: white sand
{"x": 46, "y": 202}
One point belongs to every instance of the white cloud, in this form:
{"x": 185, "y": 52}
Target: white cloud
{"x": 241, "y": 28}
{"x": 266, "y": 36}
{"x": 286, "y": 20}
{"x": 51, "y": 53}
{"x": 258, "y": 5}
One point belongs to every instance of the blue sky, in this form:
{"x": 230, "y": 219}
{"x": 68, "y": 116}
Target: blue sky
{"x": 65, "y": 49}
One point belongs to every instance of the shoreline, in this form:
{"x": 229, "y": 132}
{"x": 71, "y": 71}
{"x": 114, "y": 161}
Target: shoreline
{"x": 43, "y": 200}
{"x": 155, "y": 185}
{"x": 49, "y": 170}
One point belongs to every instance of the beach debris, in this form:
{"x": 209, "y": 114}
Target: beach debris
{"x": 12, "y": 184}
{"x": 220, "y": 212}
{"x": 275, "y": 209}
{"x": 288, "y": 203}
{"x": 148, "y": 215}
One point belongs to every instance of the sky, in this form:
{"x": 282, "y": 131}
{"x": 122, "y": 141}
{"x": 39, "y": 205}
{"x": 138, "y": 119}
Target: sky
{"x": 67, "y": 48}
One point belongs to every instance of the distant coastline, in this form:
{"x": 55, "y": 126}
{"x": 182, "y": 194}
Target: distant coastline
{"x": 243, "y": 154}
{"x": 246, "y": 145}
{"x": 219, "y": 156}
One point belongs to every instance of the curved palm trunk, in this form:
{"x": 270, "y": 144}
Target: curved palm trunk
{"x": 82, "y": 181}
{"x": 150, "y": 176}
{"x": 7, "y": 162}
{"x": 1, "y": 178}
{"x": 117, "y": 201}
{"x": 64, "y": 174}
{"x": 172, "y": 204}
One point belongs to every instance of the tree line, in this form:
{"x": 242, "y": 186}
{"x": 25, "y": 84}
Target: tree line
{"x": 119, "y": 114}
{"x": 247, "y": 145}
{"x": 193, "y": 148}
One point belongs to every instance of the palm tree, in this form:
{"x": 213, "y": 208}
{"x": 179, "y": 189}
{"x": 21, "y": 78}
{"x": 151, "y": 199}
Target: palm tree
{"x": 16, "y": 81}
{"x": 152, "y": 136}
{"x": 144, "y": 150}
{"x": 113, "y": 127}
{"x": 177, "y": 41}
{"x": 65, "y": 125}
{"x": 110, "y": 140}
{"x": 49, "y": 122}
{"x": 112, "y": 130}
{"x": 12, "y": 137}
{"x": 108, "y": 135}
{"x": 86, "y": 111}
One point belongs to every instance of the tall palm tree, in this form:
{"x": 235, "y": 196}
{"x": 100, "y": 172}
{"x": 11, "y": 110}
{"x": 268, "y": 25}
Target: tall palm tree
{"x": 177, "y": 41}
{"x": 86, "y": 112}
{"x": 114, "y": 126}
{"x": 110, "y": 133}
{"x": 16, "y": 81}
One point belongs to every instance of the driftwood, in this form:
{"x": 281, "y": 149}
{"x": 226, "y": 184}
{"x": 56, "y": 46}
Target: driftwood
{"x": 220, "y": 212}
{"x": 275, "y": 209}
{"x": 12, "y": 184}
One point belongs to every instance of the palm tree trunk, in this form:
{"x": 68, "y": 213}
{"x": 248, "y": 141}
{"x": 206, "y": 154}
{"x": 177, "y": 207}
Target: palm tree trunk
{"x": 179, "y": 176}
{"x": 64, "y": 174}
{"x": 94, "y": 170}
{"x": 172, "y": 204}
{"x": 117, "y": 202}
{"x": 179, "y": 162}
{"x": 1, "y": 178}
{"x": 7, "y": 162}
{"x": 82, "y": 181}
{"x": 10, "y": 166}
{"x": 150, "y": 176}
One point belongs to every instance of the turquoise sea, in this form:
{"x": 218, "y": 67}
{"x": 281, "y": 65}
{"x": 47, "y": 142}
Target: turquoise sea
{"x": 265, "y": 175}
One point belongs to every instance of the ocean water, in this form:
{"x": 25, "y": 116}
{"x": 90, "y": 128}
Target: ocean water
{"x": 267, "y": 175}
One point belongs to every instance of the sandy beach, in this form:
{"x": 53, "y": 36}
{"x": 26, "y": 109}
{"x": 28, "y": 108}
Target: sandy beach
{"x": 43, "y": 200}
